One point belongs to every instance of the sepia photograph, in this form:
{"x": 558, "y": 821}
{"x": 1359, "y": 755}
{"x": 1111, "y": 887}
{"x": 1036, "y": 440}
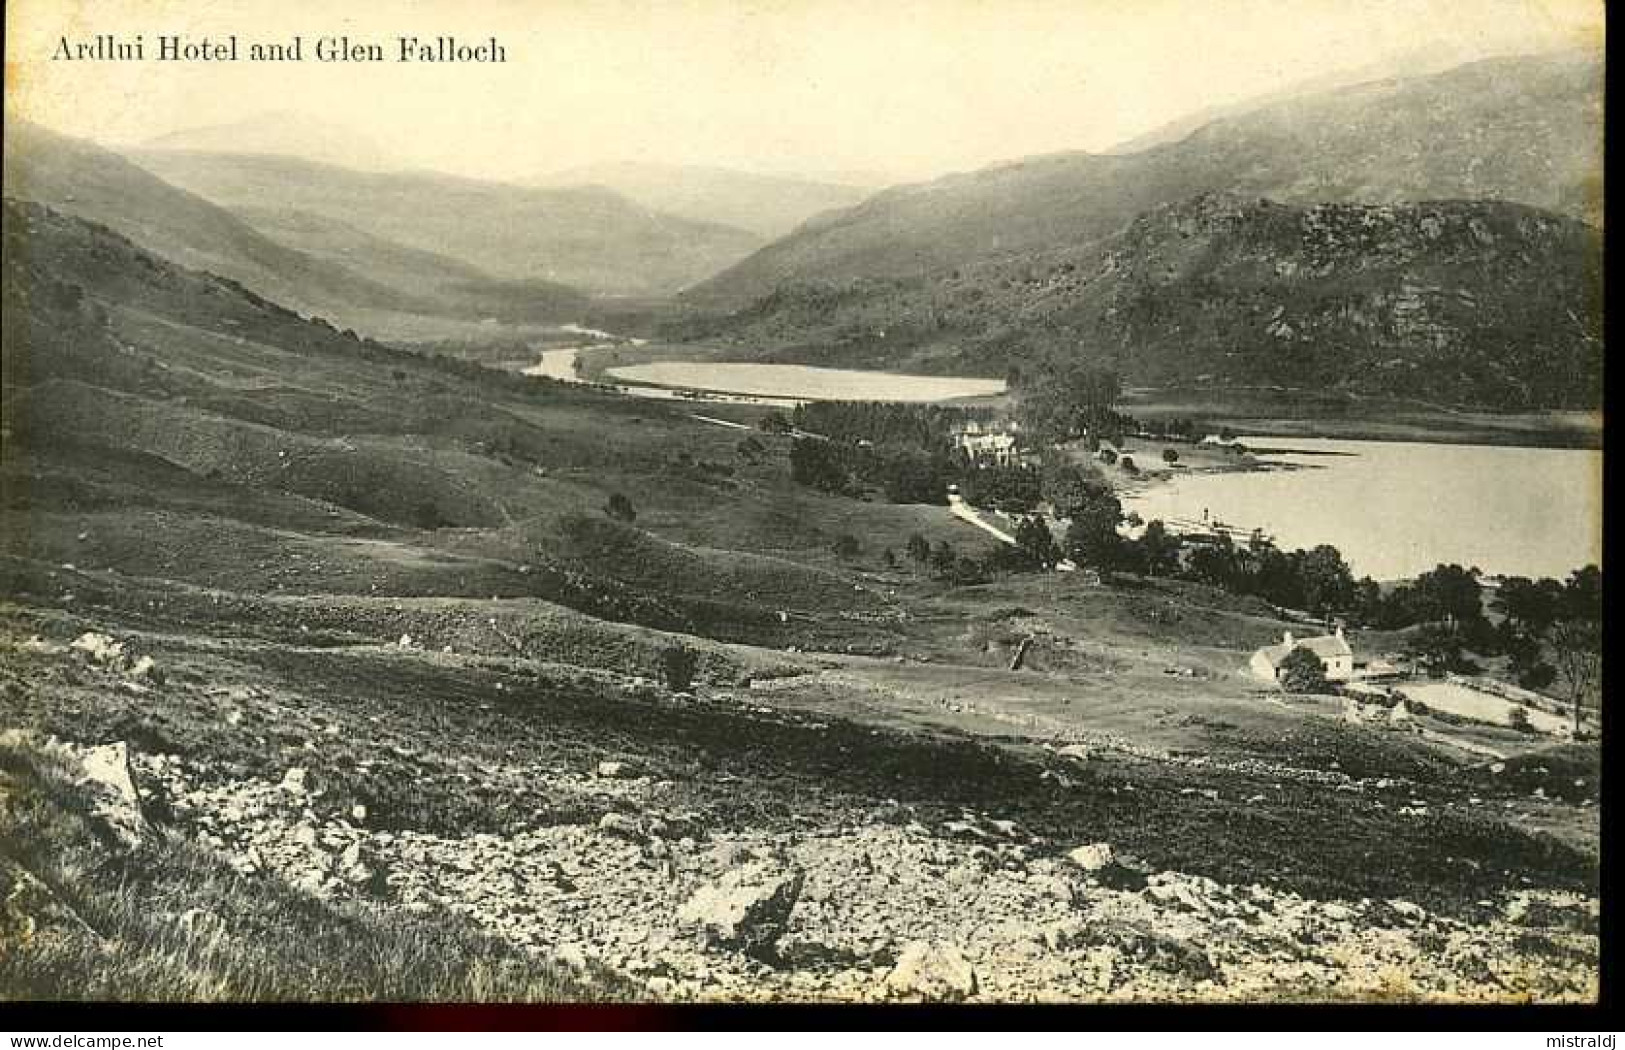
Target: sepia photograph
{"x": 802, "y": 502}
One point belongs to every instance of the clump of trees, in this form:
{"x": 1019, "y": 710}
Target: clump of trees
{"x": 677, "y": 666}
{"x": 905, "y": 474}
{"x": 1060, "y": 399}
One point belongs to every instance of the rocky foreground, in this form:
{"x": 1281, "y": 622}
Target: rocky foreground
{"x": 878, "y": 908}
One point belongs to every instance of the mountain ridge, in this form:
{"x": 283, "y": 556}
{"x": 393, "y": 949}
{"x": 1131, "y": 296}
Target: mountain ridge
{"x": 1469, "y": 302}
{"x": 1525, "y": 129}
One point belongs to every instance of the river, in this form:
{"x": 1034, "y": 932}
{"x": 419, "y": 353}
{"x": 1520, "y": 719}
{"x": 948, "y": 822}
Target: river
{"x": 1395, "y": 509}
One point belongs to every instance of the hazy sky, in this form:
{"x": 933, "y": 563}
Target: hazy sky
{"x": 907, "y": 89}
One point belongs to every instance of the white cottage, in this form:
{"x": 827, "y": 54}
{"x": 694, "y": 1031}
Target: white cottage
{"x": 1333, "y": 650}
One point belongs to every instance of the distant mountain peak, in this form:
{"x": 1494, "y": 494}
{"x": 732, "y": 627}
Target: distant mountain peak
{"x": 284, "y": 133}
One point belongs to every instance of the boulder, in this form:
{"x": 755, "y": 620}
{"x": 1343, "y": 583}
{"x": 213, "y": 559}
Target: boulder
{"x": 620, "y": 825}
{"x": 612, "y": 770}
{"x": 147, "y": 667}
{"x": 1092, "y": 857}
{"x": 296, "y": 781}
{"x": 932, "y": 971}
{"x": 102, "y": 648}
{"x": 360, "y": 866}
{"x": 105, "y": 775}
{"x": 747, "y": 908}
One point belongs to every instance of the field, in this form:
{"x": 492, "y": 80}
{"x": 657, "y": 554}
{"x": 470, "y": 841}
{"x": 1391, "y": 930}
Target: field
{"x": 387, "y": 672}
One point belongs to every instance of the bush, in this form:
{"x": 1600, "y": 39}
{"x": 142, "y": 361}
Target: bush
{"x": 846, "y": 545}
{"x": 1170, "y": 456}
{"x": 1540, "y": 676}
{"x": 677, "y": 666}
{"x": 620, "y": 508}
{"x": 1302, "y": 672}
{"x": 1518, "y": 718}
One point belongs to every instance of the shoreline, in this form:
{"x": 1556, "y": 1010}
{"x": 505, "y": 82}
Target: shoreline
{"x": 1277, "y": 415}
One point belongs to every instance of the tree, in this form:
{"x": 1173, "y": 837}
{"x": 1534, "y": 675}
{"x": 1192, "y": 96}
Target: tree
{"x": 1577, "y": 644}
{"x": 1091, "y": 538}
{"x": 1158, "y": 550}
{"x": 918, "y": 549}
{"x": 1066, "y": 484}
{"x": 1437, "y": 647}
{"x": 1035, "y": 539}
{"x": 1530, "y": 605}
{"x": 1108, "y": 456}
{"x": 817, "y": 464}
{"x": 620, "y": 508}
{"x": 774, "y": 423}
{"x": 944, "y": 558}
{"x": 1325, "y": 579}
{"x": 1126, "y": 465}
{"x": 1302, "y": 672}
{"x": 677, "y": 666}
{"x": 1170, "y": 456}
{"x": 1063, "y": 399}
{"x": 1582, "y": 594}
{"x": 1450, "y": 593}
{"x": 751, "y": 449}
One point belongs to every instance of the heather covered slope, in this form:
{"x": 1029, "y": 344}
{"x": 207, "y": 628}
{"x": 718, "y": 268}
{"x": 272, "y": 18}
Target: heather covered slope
{"x": 1464, "y": 303}
{"x": 1521, "y": 129}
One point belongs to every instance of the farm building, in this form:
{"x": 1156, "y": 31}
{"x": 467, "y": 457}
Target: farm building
{"x": 1333, "y": 650}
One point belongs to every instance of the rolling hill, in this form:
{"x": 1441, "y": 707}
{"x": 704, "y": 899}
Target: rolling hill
{"x": 586, "y": 237}
{"x": 1523, "y": 129}
{"x": 767, "y": 205}
{"x": 1462, "y": 302}
{"x": 314, "y": 267}
{"x": 437, "y": 283}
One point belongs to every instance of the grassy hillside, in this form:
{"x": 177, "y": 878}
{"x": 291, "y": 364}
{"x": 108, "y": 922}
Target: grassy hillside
{"x": 586, "y": 237}
{"x": 315, "y": 265}
{"x": 436, "y": 283}
{"x": 1474, "y": 303}
{"x": 253, "y": 429}
{"x": 390, "y": 678}
{"x": 1525, "y": 129}
{"x": 172, "y": 922}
